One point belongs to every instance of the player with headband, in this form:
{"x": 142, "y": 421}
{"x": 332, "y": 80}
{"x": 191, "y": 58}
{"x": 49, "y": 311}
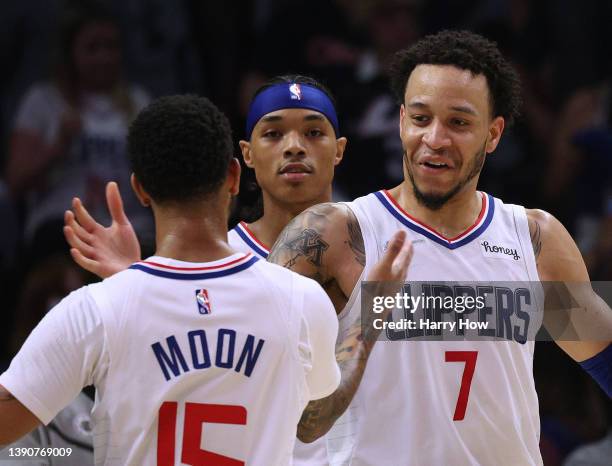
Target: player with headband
{"x": 292, "y": 142}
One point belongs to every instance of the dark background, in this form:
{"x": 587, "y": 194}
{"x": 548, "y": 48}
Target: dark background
{"x": 557, "y": 157}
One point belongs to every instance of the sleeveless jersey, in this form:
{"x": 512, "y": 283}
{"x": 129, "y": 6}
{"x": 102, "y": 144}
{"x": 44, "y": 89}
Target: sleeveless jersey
{"x": 241, "y": 238}
{"x": 403, "y": 412}
{"x": 192, "y": 363}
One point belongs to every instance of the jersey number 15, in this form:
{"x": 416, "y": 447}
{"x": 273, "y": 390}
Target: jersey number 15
{"x": 195, "y": 415}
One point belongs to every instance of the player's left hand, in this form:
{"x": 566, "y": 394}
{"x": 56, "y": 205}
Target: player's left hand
{"x": 394, "y": 264}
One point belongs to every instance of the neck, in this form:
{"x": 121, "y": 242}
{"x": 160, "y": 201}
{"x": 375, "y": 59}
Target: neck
{"x": 197, "y": 234}
{"x": 277, "y": 214}
{"x": 452, "y": 219}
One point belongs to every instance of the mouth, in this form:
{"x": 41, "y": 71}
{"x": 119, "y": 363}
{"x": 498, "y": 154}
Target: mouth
{"x": 295, "y": 171}
{"x": 435, "y": 164}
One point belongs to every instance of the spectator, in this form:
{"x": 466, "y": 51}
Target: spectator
{"x": 68, "y": 136}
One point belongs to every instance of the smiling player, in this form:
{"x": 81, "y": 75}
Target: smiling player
{"x": 430, "y": 402}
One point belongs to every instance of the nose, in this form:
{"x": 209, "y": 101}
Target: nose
{"x": 436, "y": 136}
{"x": 294, "y": 144}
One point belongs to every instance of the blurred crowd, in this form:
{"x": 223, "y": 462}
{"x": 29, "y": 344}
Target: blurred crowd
{"x": 76, "y": 73}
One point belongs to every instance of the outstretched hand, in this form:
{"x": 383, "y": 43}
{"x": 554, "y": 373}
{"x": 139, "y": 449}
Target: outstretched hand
{"x": 101, "y": 250}
{"x": 388, "y": 275}
{"x": 393, "y": 266}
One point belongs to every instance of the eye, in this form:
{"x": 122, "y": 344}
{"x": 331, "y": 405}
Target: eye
{"x": 315, "y": 132}
{"x": 420, "y": 119}
{"x": 271, "y": 133}
{"x": 459, "y": 122}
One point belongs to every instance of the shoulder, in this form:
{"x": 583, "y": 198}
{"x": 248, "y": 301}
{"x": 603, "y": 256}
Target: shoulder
{"x": 110, "y": 293}
{"x": 326, "y": 220}
{"x": 327, "y": 212}
{"x": 557, "y": 255}
{"x": 544, "y": 226}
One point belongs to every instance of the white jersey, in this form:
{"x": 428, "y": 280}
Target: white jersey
{"x": 241, "y": 238}
{"x": 192, "y": 363}
{"x": 416, "y": 403}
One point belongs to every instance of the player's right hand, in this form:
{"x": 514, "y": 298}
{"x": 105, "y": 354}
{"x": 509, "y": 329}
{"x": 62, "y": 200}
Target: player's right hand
{"x": 103, "y": 251}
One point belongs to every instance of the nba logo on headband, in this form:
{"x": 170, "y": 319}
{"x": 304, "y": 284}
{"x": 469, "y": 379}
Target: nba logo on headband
{"x": 275, "y": 97}
{"x": 296, "y": 92}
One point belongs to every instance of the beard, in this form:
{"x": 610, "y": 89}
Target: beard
{"x": 436, "y": 201}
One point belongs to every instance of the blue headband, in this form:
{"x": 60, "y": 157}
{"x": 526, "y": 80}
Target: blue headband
{"x": 286, "y": 95}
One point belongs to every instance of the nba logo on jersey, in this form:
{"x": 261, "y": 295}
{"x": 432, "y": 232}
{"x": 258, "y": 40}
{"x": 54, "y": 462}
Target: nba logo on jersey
{"x": 204, "y": 306}
{"x": 296, "y": 92}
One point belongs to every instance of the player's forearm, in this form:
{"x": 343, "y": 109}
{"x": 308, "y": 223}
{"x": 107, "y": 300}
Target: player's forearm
{"x": 320, "y": 415}
{"x": 15, "y": 419}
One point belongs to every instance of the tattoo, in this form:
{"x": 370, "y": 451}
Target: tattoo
{"x": 536, "y": 237}
{"x": 303, "y": 238}
{"x": 320, "y": 415}
{"x": 5, "y": 395}
{"x": 302, "y": 247}
{"x": 355, "y": 241}
{"x": 310, "y": 245}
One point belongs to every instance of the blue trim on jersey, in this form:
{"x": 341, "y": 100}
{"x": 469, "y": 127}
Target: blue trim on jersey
{"x": 250, "y": 243}
{"x": 195, "y": 276}
{"x": 473, "y": 235}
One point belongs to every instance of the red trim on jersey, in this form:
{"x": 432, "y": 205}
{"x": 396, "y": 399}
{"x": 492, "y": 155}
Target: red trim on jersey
{"x": 210, "y": 267}
{"x": 475, "y": 224}
{"x": 253, "y": 237}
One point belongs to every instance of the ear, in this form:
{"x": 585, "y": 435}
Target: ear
{"x": 245, "y": 148}
{"x": 233, "y": 176}
{"x": 141, "y": 194}
{"x": 496, "y": 128}
{"x": 340, "y": 148}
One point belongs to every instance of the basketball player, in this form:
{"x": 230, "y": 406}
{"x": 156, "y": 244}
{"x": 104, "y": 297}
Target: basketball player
{"x": 413, "y": 403}
{"x": 178, "y": 340}
{"x": 292, "y": 143}
{"x": 457, "y": 94}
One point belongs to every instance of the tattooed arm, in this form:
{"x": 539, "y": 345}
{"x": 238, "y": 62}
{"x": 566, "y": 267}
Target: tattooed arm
{"x": 559, "y": 260}
{"x": 325, "y": 243}
{"x": 15, "y": 419}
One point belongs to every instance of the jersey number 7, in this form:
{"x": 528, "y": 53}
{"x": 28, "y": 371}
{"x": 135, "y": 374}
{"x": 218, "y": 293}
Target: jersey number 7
{"x": 469, "y": 358}
{"x": 195, "y": 415}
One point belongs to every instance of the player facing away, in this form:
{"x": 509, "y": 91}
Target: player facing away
{"x": 293, "y": 143}
{"x": 441, "y": 402}
{"x": 200, "y": 354}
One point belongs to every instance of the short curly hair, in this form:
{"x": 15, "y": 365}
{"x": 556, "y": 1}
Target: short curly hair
{"x": 467, "y": 51}
{"x": 180, "y": 148}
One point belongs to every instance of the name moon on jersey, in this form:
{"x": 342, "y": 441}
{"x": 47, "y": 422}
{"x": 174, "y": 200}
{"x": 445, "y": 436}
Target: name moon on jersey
{"x": 172, "y": 361}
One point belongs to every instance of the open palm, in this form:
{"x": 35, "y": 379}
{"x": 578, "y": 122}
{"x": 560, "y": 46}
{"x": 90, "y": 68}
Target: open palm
{"x": 101, "y": 250}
